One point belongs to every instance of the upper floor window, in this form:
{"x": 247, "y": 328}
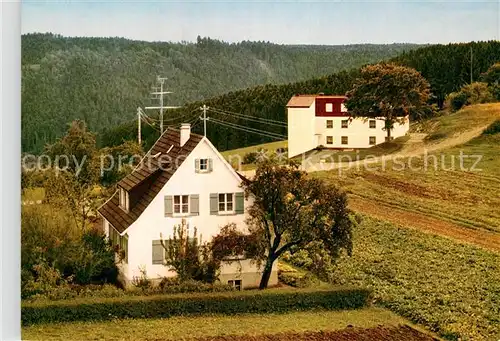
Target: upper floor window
{"x": 124, "y": 204}
{"x": 345, "y": 123}
{"x": 226, "y": 202}
{"x": 329, "y": 107}
{"x": 203, "y": 165}
{"x": 373, "y": 124}
{"x": 329, "y": 123}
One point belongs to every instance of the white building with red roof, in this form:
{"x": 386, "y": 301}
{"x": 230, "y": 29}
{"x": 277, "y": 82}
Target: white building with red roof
{"x": 323, "y": 120}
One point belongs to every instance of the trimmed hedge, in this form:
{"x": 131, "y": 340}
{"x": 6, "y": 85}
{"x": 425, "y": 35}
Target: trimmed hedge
{"x": 195, "y": 304}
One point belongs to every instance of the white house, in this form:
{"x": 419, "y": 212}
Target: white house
{"x": 183, "y": 176}
{"x": 321, "y": 120}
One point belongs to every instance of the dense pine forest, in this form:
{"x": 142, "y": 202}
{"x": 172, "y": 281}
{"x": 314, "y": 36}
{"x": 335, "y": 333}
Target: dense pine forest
{"x": 446, "y": 67}
{"x": 104, "y": 80}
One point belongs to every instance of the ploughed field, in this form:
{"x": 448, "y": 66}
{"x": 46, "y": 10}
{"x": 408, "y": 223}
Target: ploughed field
{"x": 380, "y": 333}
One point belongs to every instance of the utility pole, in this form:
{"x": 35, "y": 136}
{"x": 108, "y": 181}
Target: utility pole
{"x": 471, "y": 64}
{"x": 139, "y": 112}
{"x": 204, "y": 118}
{"x": 160, "y": 93}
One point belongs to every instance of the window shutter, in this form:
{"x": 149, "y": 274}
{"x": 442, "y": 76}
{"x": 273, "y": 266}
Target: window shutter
{"x": 194, "y": 204}
{"x": 210, "y": 165}
{"x": 214, "y": 204}
{"x": 157, "y": 255}
{"x": 197, "y": 165}
{"x": 168, "y": 206}
{"x": 125, "y": 247}
{"x": 240, "y": 203}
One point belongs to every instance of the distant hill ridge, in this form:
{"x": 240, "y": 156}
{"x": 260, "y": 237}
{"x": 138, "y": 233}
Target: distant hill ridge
{"x": 104, "y": 80}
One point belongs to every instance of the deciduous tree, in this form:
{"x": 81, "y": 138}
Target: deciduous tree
{"x": 291, "y": 211}
{"x": 389, "y": 92}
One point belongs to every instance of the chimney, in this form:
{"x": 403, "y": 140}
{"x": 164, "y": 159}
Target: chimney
{"x": 185, "y": 133}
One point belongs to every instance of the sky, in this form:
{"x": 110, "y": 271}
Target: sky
{"x": 283, "y": 22}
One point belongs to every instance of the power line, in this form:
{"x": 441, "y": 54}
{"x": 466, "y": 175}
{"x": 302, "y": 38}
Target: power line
{"x": 248, "y": 129}
{"x": 251, "y": 118}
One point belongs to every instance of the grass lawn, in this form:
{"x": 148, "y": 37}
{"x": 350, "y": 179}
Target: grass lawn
{"x": 181, "y": 328}
{"x": 452, "y": 289}
{"x": 466, "y": 119}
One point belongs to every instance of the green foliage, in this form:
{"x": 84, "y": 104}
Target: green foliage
{"x": 55, "y": 252}
{"x": 229, "y": 244}
{"x": 456, "y": 100}
{"x": 250, "y": 158}
{"x": 201, "y": 304}
{"x": 185, "y": 255}
{"x": 493, "y": 128}
{"x": 475, "y": 93}
{"x": 296, "y": 279}
{"x": 448, "y": 67}
{"x": 291, "y": 211}
{"x": 388, "y": 91}
{"x": 104, "y": 80}
{"x": 118, "y": 161}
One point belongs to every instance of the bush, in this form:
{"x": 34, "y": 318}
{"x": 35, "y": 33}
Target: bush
{"x": 456, "y": 100}
{"x": 51, "y": 242}
{"x": 249, "y": 158}
{"x": 474, "y": 93}
{"x": 493, "y": 128}
{"x": 296, "y": 279}
{"x": 201, "y": 304}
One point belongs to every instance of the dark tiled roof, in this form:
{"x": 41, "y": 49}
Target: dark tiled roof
{"x": 145, "y": 182}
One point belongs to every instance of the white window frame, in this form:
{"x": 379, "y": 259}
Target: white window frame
{"x": 181, "y": 205}
{"x": 329, "y": 106}
{"x": 232, "y": 283}
{"x": 204, "y": 165}
{"x": 225, "y": 203}
{"x": 327, "y": 124}
{"x": 124, "y": 199}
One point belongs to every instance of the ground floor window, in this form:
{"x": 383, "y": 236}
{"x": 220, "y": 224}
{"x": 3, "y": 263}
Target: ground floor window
{"x": 329, "y": 140}
{"x": 345, "y": 140}
{"x": 373, "y": 140}
{"x": 235, "y": 283}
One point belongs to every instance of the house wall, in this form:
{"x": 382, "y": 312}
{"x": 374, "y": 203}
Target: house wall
{"x": 357, "y": 132}
{"x": 152, "y": 223}
{"x": 301, "y": 129}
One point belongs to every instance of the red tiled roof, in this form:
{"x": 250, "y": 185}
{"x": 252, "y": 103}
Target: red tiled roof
{"x": 146, "y": 182}
{"x": 305, "y": 101}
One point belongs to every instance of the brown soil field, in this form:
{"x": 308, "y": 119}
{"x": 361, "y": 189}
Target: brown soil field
{"x": 381, "y": 333}
{"x": 485, "y": 239}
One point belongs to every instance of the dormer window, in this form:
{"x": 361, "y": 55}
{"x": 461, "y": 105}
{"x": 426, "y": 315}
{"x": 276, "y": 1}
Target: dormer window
{"x": 329, "y": 107}
{"x": 203, "y": 165}
{"x": 124, "y": 202}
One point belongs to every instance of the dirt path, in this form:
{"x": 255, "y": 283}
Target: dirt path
{"x": 421, "y": 222}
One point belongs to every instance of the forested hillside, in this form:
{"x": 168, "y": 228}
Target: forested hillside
{"x": 446, "y": 67}
{"x": 104, "y": 80}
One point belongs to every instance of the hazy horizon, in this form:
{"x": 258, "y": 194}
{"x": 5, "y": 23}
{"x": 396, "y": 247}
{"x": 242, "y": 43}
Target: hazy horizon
{"x": 287, "y": 23}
